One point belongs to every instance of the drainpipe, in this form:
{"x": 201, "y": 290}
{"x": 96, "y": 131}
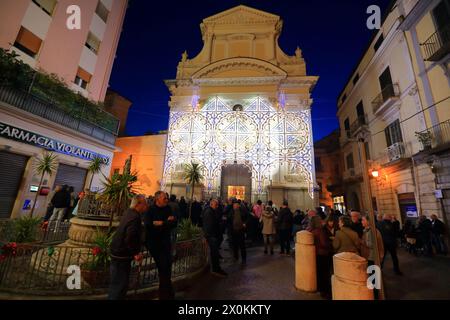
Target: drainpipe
{"x": 416, "y": 182}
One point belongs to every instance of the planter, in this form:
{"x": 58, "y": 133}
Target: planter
{"x": 95, "y": 278}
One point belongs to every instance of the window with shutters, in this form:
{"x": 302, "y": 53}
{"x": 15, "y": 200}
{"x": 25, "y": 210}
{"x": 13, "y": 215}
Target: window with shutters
{"x": 82, "y": 78}
{"x": 393, "y": 133}
{"x": 28, "y": 42}
{"x": 48, "y": 6}
{"x": 92, "y": 43}
{"x": 347, "y": 127}
{"x": 102, "y": 11}
{"x": 349, "y": 160}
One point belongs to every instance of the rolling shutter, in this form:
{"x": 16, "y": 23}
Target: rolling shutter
{"x": 12, "y": 167}
{"x": 71, "y": 176}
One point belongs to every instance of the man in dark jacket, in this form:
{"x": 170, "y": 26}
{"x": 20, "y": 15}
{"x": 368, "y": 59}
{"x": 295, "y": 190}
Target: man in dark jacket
{"x": 159, "y": 222}
{"x": 437, "y": 235}
{"x": 237, "y": 221}
{"x": 424, "y": 229}
{"x": 389, "y": 236}
{"x": 125, "y": 246}
{"x": 212, "y": 231}
{"x": 285, "y": 221}
{"x": 61, "y": 203}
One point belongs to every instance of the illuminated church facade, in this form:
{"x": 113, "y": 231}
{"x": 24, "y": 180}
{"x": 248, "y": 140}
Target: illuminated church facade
{"x": 242, "y": 109}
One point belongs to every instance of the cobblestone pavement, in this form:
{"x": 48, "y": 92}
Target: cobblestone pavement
{"x": 267, "y": 277}
{"x": 423, "y": 278}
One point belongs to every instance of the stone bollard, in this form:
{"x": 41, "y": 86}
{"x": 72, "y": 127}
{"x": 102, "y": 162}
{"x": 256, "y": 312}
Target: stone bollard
{"x": 349, "y": 281}
{"x": 305, "y": 262}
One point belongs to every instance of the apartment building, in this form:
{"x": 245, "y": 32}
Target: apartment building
{"x": 393, "y": 95}
{"x": 83, "y": 58}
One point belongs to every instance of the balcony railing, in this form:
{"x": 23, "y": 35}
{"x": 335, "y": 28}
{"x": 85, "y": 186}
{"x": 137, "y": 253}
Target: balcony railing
{"x": 437, "y": 45}
{"x": 386, "y": 97}
{"x": 396, "y": 151}
{"x": 438, "y": 135}
{"x": 98, "y": 124}
{"x": 96, "y": 209}
{"x": 358, "y": 124}
{"x": 352, "y": 173}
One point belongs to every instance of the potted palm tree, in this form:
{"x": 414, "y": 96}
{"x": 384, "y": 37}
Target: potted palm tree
{"x": 95, "y": 166}
{"x": 425, "y": 139}
{"x": 118, "y": 191}
{"x": 192, "y": 175}
{"x": 44, "y": 165}
{"x": 95, "y": 270}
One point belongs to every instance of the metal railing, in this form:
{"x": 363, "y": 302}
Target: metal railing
{"x": 42, "y": 270}
{"x": 437, "y": 45}
{"x": 439, "y": 135}
{"x": 352, "y": 173}
{"x": 91, "y": 208}
{"x": 52, "y": 232}
{"x": 389, "y": 92}
{"x": 96, "y": 123}
{"x": 359, "y": 123}
{"x": 396, "y": 151}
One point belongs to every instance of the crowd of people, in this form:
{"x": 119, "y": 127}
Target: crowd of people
{"x": 240, "y": 224}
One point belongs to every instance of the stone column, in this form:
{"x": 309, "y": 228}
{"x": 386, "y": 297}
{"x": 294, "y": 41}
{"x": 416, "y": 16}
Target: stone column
{"x": 349, "y": 281}
{"x": 305, "y": 262}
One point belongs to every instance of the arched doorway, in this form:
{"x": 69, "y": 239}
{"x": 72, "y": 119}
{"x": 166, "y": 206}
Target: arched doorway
{"x": 236, "y": 181}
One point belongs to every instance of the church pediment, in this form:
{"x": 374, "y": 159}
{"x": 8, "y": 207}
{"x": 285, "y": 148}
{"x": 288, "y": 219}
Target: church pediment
{"x": 242, "y": 15}
{"x": 239, "y": 68}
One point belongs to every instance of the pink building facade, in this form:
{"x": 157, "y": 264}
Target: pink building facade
{"x": 87, "y": 53}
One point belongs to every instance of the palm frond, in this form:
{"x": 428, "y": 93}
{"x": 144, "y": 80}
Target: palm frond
{"x": 193, "y": 173}
{"x": 95, "y": 165}
{"x": 46, "y": 164}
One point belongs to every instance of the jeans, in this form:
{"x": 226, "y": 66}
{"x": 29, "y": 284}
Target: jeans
{"x": 120, "y": 275}
{"x": 392, "y": 249}
{"x": 238, "y": 241}
{"x": 213, "y": 244}
{"x": 285, "y": 243}
{"x": 163, "y": 260}
{"x": 58, "y": 215}
{"x": 269, "y": 239}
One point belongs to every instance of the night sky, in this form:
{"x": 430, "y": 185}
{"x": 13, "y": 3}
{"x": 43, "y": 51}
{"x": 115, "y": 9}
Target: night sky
{"x": 331, "y": 33}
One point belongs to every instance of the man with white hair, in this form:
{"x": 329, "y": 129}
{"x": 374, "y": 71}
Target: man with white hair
{"x": 125, "y": 246}
{"x": 159, "y": 221}
{"x": 356, "y": 223}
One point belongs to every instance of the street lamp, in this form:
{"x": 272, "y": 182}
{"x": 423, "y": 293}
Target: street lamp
{"x": 375, "y": 173}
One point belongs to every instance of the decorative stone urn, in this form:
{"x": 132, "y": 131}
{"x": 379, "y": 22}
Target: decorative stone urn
{"x": 82, "y": 231}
